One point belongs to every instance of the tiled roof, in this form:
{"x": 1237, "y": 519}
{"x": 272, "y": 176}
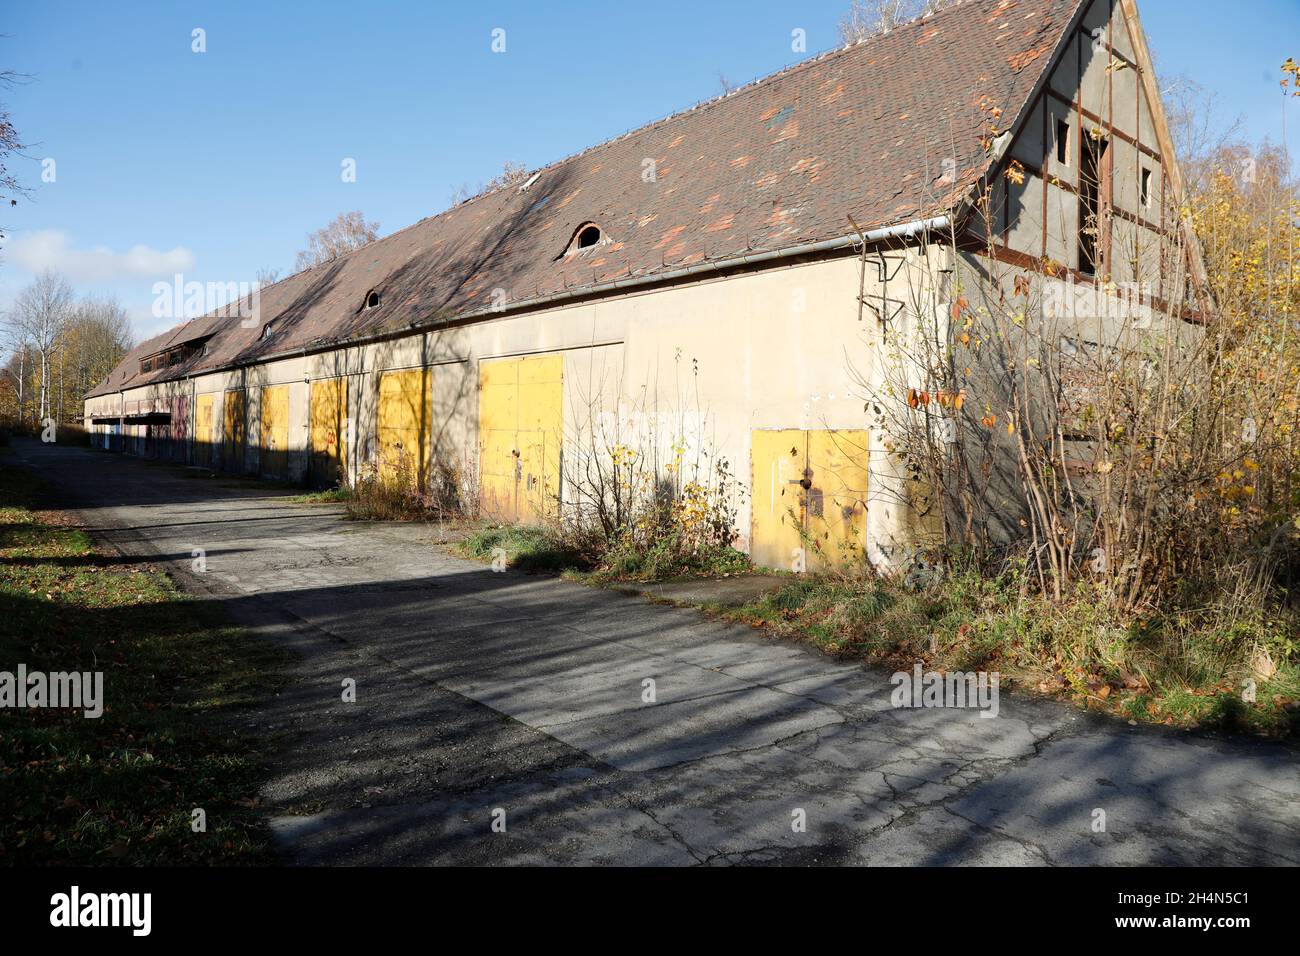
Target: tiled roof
{"x": 862, "y": 131}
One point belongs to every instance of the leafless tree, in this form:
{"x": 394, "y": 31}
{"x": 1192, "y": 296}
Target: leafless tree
{"x": 1199, "y": 133}
{"x": 266, "y": 277}
{"x": 37, "y": 319}
{"x": 9, "y": 144}
{"x": 347, "y": 231}
{"x": 511, "y": 173}
{"x": 867, "y": 18}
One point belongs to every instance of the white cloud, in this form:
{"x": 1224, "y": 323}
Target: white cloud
{"x": 51, "y": 249}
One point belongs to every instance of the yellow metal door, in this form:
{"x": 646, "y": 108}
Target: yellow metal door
{"x": 521, "y": 429}
{"x": 809, "y": 497}
{"x": 498, "y": 423}
{"x": 779, "y": 459}
{"x": 329, "y": 414}
{"x": 403, "y": 423}
{"x": 275, "y": 431}
{"x": 203, "y": 430}
{"x": 235, "y": 431}
{"x": 541, "y": 426}
{"x": 837, "y": 501}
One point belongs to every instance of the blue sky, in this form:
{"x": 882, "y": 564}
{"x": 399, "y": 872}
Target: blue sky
{"x": 220, "y": 163}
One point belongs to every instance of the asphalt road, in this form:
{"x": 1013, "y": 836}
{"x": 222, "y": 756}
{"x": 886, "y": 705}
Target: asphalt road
{"x": 486, "y": 697}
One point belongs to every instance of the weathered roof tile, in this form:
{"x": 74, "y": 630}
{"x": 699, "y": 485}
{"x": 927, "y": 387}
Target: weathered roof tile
{"x": 902, "y": 103}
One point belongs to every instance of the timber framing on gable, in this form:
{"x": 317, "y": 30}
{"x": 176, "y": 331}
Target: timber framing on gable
{"x": 1147, "y": 105}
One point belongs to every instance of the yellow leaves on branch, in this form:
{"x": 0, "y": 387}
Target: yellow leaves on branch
{"x": 1291, "y": 67}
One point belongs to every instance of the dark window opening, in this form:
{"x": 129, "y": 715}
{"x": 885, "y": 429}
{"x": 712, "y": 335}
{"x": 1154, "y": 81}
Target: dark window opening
{"x": 372, "y": 299}
{"x": 589, "y": 236}
{"x": 1063, "y": 142}
{"x": 1146, "y": 188}
{"x": 146, "y": 365}
{"x": 268, "y": 330}
{"x": 1093, "y": 192}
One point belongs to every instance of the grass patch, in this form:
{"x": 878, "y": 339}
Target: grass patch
{"x": 1186, "y": 669}
{"x": 524, "y": 548}
{"x": 120, "y": 788}
{"x": 540, "y": 550}
{"x": 662, "y": 561}
{"x": 339, "y": 493}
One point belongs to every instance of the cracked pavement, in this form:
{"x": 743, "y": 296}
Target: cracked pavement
{"x": 480, "y": 691}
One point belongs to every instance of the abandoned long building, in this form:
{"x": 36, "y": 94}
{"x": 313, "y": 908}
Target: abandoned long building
{"x": 725, "y": 277}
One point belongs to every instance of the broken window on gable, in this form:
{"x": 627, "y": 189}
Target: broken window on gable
{"x": 1094, "y": 192}
{"x": 1063, "y": 142}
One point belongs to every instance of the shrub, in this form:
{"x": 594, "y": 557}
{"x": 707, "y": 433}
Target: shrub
{"x": 395, "y": 492}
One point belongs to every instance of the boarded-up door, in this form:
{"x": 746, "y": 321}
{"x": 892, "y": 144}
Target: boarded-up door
{"x": 275, "y": 431}
{"x": 203, "y": 430}
{"x": 521, "y": 429}
{"x": 809, "y": 498}
{"x": 329, "y": 414}
{"x": 235, "y": 430}
{"x": 403, "y": 425}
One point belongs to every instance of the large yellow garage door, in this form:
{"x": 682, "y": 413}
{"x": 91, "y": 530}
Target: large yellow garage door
{"x": 403, "y": 423}
{"x": 809, "y": 498}
{"x": 521, "y": 429}
{"x": 235, "y": 430}
{"x": 329, "y": 413}
{"x": 275, "y": 431}
{"x": 203, "y": 423}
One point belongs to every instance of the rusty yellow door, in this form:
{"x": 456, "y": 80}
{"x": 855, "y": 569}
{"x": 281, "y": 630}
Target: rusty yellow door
{"x": 203, "y": 430}
{"x": 234, "y": 431}
{"x": 837, "y": 502}
{"x": 779, "y": 461}
{"x": 328, "y": 418}
{"x": 521, "y": 429}
{"x": 809, "y": 497}
{"x": 275, "y": 431}
{"x": 403, "y": 425}
{"x": 498, "y": 424}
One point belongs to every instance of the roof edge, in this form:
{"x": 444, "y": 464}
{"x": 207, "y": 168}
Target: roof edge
{"x": 907, "y": 230}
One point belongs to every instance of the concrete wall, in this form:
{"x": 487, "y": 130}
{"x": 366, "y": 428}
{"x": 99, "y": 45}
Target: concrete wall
{"x": 707, "y": 363}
